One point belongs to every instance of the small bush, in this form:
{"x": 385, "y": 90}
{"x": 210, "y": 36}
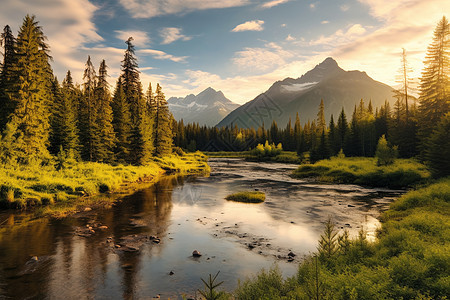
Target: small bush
{"x": 385, "y": 155}
{"x": 247, "y": 197}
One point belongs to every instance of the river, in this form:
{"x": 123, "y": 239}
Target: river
{"x": 122, "y": 259}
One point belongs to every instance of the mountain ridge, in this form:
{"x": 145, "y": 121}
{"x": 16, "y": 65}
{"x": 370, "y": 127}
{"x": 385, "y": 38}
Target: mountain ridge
{"x": 337, "y": 87}
{"x": 206, "y": 108}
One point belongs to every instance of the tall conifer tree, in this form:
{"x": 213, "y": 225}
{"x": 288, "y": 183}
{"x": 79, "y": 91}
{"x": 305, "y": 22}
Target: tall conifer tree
{"x": 162, "y": 131}
{"x": 121, "y": 123}
{"x": 27, "y": 132}
{"x": 105, "y": 148}
{"x": 435, "y": 83}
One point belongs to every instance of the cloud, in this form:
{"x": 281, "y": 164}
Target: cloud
{"x": 140, "y": 38}
{"x": 325, "y": 22}
{"x": 261, "y": 59}
{"x": 380, "y": 48}
{"x": 283, "y": 25}
{"x": 255, "y": 25}
{"x": 290, "y": 38}
{"x": 157, "y": 54}
{"x": 153, "y": 8}
{"x": 313, "y": 6}
{"x": 172, "y": 34}
{"x": 67, "y": 24}
{"x": 340, "y": 37}
{"x": 273, "y": 3}
{"x": 344, "y": 7}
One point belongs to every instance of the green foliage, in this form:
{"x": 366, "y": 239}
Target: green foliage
{"x": 163, "y": 138}
{"x": 267, "y": 150}
{"x": 248, "y": 197}
{"x": 365, "y": 171}
{"x": 438, "y": 150}
{"x": 121, "y": 123}
{"x": 210, "y": 292}
{"x": 26, "y": 137}
{"x": 434, "y": 83}
{"x": 105, "y": 149}
{"x": 385, "y": 155}
{"x": 328, "y": 242}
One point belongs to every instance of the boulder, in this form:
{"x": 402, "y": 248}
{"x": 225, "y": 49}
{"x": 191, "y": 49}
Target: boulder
{"x": 196, "y": 253}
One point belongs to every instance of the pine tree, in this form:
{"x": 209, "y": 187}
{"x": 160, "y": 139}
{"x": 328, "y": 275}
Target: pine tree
{"x": 342, "y": 131}
{"x": 27, "y": 133}
{"x": 434, "y": 83}
{"x": 333, "y": 137}
{"x": 7, "y": 76}
{"x": 89, "y": 133}
{"x": 130, "y": 80}
{"x": 162, "y": 130}
{"x": 121, "y": 123}
{"x": 321, "y": 123}
{"x": 105, "y": 148}
{"x": 438, "y": 152}
{"x": 297, "y": 132}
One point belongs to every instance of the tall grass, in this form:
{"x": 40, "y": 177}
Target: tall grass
{"x": 22, "y": 186}
{"x": 365, "y": 171}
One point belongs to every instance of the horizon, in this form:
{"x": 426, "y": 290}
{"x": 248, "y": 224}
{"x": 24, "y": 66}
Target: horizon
{"x": 245, "y": 46}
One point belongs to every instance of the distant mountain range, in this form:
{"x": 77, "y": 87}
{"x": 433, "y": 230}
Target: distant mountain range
{"x": 338, "y": 88}
{"x": 207, "y": 108}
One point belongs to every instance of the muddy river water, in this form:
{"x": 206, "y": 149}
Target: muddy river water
{"x": 143, "y": 246}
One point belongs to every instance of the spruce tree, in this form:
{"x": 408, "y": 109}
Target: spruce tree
{"x": 121, "y": 123}
{"x": 89, "y": 134}
{"x": 27, "y": 133}
{"x": 321, "y": 123}
{"x": 7, "y": 76}
{"x": 105, "y": 149}
{"x": 141, "y": 138}
{"x": 68, "y": 117}
{"x": 434, "y": 83}
{"x": 162, "y": 130}
{"x": 342, "y": 131}
{"x": 297, "y": 132}
{"x": 438, "y": 152}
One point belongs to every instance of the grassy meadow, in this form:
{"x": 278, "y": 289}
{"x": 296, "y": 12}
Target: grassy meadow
{"x": 365, "y": 171}
{"x": 61, "y": 191}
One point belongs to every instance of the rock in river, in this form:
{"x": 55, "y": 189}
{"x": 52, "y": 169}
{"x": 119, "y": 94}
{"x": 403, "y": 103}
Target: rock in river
{"x": 196, "y": 253}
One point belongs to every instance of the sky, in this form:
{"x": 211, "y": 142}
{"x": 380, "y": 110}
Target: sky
{"x": 240, "y": 47}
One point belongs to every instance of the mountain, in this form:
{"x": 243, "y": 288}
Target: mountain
{"x": 338, "y": 88}
{"x": 207, "y": 108}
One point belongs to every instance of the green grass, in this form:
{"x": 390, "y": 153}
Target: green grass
{"x": 283, "y": 157}
{"x": 65, "y": 190}
{"x": 364, "y": 171}
{"x": 247, "y": 197}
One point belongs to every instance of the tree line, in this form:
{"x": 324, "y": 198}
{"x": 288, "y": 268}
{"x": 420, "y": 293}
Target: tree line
{"x": 420, "y": 130}
{"x": 41, "y": 118}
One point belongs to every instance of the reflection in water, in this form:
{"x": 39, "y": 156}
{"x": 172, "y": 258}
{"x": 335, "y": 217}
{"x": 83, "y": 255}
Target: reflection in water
{"x": 186, "y": 214}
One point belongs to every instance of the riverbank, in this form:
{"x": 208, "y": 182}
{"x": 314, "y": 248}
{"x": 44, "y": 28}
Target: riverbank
{"x": 85, "y": 184}
{"x": 283, "y": 157}
{"x": 410, "y": 259}
{"x": 402, "y": 173}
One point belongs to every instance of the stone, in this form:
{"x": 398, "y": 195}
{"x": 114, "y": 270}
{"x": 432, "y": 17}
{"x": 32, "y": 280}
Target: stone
{"x": 196, "y": 253}
{"x": 291, "y": 254}
{"x": 34, "y": 258}
{"x": 103, "y": 227}
{"x": 87, "y": 209}
{"x": 171, "y": 273}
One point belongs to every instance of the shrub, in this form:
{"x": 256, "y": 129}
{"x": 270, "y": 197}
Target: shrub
{"x": 385, "y": 155}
